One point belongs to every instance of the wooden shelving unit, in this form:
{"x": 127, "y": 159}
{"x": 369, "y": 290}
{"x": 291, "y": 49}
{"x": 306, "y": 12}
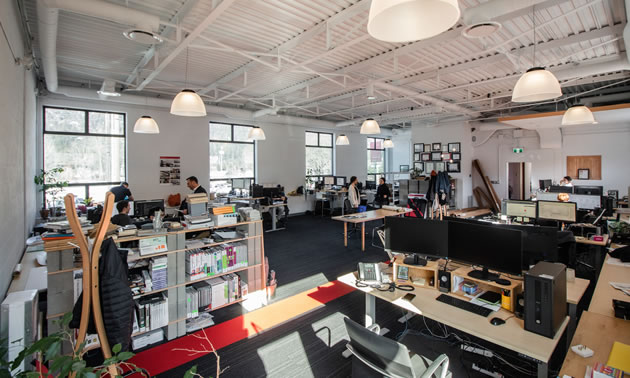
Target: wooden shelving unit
{"x": 419, "y": 276}
{"x": 513, "y": 289}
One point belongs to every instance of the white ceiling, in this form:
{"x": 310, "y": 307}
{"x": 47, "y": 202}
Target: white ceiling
{"x": 327, "y": 58}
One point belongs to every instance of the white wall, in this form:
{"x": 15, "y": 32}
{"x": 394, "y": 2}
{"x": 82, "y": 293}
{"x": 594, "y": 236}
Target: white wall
{"x": 451, "y": 133}
{"x": 17, "y": 145}
{"x": 612, "y": 142}
{"x": 401, "y": 154}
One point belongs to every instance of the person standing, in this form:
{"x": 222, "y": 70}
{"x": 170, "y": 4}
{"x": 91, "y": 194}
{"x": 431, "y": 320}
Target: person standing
{"x": 122, "y": 192}
{"x": 382, "y": 193}
{"x": 353, "y": 193}
{"x": 193, "y": 184}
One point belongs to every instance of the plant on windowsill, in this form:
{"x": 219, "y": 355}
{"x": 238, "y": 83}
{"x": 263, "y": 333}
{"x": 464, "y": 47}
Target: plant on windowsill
{"x": 51, "y": 186}
{"x": 88, "y": 201}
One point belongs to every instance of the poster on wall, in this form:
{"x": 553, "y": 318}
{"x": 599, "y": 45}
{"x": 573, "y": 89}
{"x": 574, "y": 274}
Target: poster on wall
{"x": 170, "y": 170}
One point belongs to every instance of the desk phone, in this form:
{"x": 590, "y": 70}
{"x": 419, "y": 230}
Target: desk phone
{"x": 369, "y": 273}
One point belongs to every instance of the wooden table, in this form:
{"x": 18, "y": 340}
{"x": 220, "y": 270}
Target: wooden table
{"x": 510, "y": 335}
{"x": 604, "y": 293}
{"x": 362, "y": 218}
{"x": 598, "y": 332}
{"x": 575, "y": 291}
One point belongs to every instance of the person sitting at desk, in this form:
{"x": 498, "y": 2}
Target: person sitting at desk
{"x": 122, "y": 218}
{"x": 382, "y": 193}
{"x": 566, "y": 181}
{"x": 353, "y": 193}
{"x": 122, "y": 192}
{"x": 193, "y": 184}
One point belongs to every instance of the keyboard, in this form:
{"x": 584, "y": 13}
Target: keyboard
{"x": 464, "y": 305}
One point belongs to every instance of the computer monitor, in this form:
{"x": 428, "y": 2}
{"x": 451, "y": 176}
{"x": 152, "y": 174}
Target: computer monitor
{"x": 561, "y": 189}
{"x": 520, "y": 209}
{"x": 329, "y": 180}
{"x": 539, "y": 243}
{"x": 340, "y": 181}
{"x": 360, "y": 185}
{"x": 271, "y": 192}
{"x": 558, "y": 211}
{"x": 370, "y": 185}
{"x": 416, "y": 236}
{"x": 143, "y": 208}
{"x": 490, "y": 247}
{"x": 590, "y": 190}
{"x": 544, "y": 184}
{"x": 240, "y": 183}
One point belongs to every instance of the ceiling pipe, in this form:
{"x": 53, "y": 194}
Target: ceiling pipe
{"x": 626, "y": 30}
{"x": 48, "y": 20}
{"x": 603, "y": 99}
{"x": 495, "y": 8}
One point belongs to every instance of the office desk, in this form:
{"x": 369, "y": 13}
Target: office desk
{"x": 600, "y": 249}
{"x": 367, "y": 216}
{"x": 250, "y": 200}
{"x": 604, "y": 293}
{"x": 335, "y": 194}
{"x": 32, "y": 276}
{"x": 575, "y": 291}
{"x": 273, "y": 209}
{"x": 510, "y": 335}
{"x": 598, "y": 332}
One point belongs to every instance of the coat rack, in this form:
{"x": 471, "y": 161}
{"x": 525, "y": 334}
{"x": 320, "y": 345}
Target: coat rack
{"x": 89, "y": 261}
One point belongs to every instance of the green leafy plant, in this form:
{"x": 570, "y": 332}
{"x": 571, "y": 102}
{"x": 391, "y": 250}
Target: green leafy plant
{"x": 621, "y": 228}
{"x": 48, "y": 350}
{"x": 50, "y": 183}
{"x": 88, "y": 201}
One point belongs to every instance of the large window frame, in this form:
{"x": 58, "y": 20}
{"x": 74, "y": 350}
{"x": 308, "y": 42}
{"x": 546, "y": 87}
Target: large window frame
{"x": 373, "y": 147}
{"x": 319, "y": 145}
{"x": 86, "y": 132}
{"x": 231, "y": 141}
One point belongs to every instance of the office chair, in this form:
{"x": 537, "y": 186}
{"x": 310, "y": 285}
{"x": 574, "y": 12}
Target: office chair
{"x": 378, "y": 356}
{"x": 348, "y": 209}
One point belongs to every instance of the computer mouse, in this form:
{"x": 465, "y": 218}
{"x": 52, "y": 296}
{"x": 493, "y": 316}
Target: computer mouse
{"x": 497, "y": 321}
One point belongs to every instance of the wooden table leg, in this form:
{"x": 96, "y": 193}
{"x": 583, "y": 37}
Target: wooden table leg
{"x": 345, "y": 234}
{"x": 363, "y": 236}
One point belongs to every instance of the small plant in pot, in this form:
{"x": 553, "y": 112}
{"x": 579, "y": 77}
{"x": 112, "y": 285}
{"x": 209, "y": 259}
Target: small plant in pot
{"x": 52, "y": 186}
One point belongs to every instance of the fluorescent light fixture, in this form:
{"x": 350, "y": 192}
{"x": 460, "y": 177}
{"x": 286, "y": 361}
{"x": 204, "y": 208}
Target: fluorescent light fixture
{"x": 388, "y": 143}
{"x": 537, "y": 84}
{"x": 108, "y": 89}
{"x": 256, "y": 133}
{"x": 342, "y": 140}
{"x": 370, "y": 126}
{"x": 411, "y": 20}
{"x": 146, "y": 125}
{"x": 187, "y": 103}
{"x": 578, "y": 115}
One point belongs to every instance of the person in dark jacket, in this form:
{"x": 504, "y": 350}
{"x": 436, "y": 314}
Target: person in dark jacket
{"x": 382, "y": 193}
{"x": 122, "y": 192}
{"x": 122, "y": 218}
{"x": 193, "y": 184}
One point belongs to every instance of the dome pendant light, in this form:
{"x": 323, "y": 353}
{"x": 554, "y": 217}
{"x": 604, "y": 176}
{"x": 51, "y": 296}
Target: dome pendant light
{"x": 578, "y": 115}
{"x": 370, "y": 126}
{"x": 342, "y": 140}
{"x": 388, "y": 143}
{"x": 256, "y": 133}
{"x": 537, "y": 84}
{"x": 187, "y": 103}
{"x": 146, "y": 125}
{"x": 411, "y": 20}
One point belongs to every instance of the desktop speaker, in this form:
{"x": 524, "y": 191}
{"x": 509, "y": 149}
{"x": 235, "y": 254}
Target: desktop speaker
{"x": 519, "y": 309}
{"x": 545, "y": 298}
{"x": 444, "y": 281}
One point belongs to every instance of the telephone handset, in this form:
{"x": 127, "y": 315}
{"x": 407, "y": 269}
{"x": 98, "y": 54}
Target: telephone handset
{"x": 369, "y": 273}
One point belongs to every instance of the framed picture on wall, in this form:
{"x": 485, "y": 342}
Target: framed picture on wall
{"x": 444, "y": 148}
{"x": 437, "y": 147}
{"x": 454, "y": 147}
{"x": 417, "y": 147}
{"x": 416, "y": 156}
{"x": 456, "y": 156}
{"x": 418, "y": 166}
{"x": 429, "y": 167}
{"x": 427, "y": 147}
{"x": 440, "y": 167}
{"x": 584, "y": 174}
{"x": 404, "y": 168}
{"x": 425, "y": 157}
{"x": 453, "y": 167}
{"x": 436, "y": 156}
{"x": 446, "y": 156}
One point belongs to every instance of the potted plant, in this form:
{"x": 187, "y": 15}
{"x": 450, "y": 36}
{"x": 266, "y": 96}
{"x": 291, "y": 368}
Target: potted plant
{"x": 51, "y": 185}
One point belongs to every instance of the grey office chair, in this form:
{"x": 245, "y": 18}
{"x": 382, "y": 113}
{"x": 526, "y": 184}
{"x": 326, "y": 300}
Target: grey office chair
{"x": 378, "y": 356}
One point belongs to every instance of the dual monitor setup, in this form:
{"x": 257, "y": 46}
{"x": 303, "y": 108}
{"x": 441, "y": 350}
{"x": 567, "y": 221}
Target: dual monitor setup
{"x": 528, "y": 211}
{"x": 508, "y": 249}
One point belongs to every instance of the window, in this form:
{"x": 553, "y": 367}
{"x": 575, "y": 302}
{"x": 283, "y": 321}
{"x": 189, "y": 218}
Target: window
{"x": 375, "y": 158}
{"x": 231, "y": 158}
{"x": 319, "y": 155}
{"x": 91, "y": 148}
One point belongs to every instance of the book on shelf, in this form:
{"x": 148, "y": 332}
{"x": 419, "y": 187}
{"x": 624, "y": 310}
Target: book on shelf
{"x": 146, "y": 339}
{"x": 159, "y": 272}
{"x": 215, "y": 260}
{"x": 153, "y": 312}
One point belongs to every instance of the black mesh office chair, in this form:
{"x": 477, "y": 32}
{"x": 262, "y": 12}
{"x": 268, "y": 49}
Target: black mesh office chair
{"x": 348, "y": 209}
{"x": 378, "y": 356}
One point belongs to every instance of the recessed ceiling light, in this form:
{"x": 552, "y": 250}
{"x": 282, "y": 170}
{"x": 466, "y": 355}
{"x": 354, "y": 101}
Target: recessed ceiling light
{"x": 480, "y": 30}
{"x": 142, "y": 36}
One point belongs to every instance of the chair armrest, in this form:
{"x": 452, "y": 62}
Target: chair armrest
{"x": 375, "y": 328}
{"x": 441, "y": 360}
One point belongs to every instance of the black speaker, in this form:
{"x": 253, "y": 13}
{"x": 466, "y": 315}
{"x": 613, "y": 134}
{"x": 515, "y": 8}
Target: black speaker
{"x": 545, "y": 298}
{"x": 519, "y": 311}
{"x": 444, "y": 281}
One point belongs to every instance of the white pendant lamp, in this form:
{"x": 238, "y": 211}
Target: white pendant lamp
{"x": 256, "y": 133}
{"x": 388, "y": 143}
{"x": 578, "y": 115}
{"x": 411, "y": 20}
{"x": 146, "y": 125}
{"x": 187, "y": 103}
{"x": 537, "y": 84}
{"x": 370, "y": 126}
{"x": 342, "y": 140}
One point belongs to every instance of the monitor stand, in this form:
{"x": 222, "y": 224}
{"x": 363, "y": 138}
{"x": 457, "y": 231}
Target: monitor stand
{"x": 415, "y": 260}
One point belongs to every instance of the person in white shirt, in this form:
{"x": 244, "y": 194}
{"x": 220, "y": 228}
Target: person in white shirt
{"x": 566, "y": 181}
{"x": 353, "y": 192}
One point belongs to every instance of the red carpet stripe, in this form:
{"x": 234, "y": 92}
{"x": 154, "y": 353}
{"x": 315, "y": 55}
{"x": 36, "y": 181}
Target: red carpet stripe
{"x": 164, "y": 357}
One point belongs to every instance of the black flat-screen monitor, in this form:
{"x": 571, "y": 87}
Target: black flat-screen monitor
{"x": 340, "y": 181}
{"x": 519, "y": 209}
{"x": 561, "y": 189}
{"x": 589, "y": 190}
{"x": 489, "y": 247}
{"x": 416, "y": 236}
{"x": 539, "y": 244}
{"x": 143, "y": 208}
{"x": 370, "y": 185}
{"x": 557, "y": 211}
{"x": 272, "y": 192}
{"x": 544, "y": 184}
